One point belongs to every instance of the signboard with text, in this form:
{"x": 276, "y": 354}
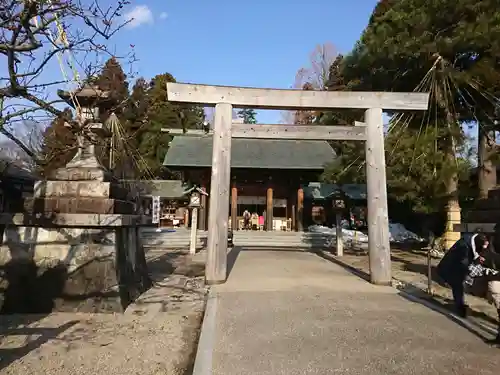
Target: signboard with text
{"x": 156, "y": 210}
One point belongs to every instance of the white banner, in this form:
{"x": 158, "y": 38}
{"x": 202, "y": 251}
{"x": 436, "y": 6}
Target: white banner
{"x": 156, "y": 209}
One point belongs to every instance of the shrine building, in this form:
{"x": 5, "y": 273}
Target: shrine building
{"x": 267, "y": 177}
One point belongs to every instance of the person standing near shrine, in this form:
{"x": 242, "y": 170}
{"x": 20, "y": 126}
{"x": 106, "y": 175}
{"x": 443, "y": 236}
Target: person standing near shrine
{"x": 492, "y": 261}
{"x": 246, "y": 219}
{"x": 454, "y": 267}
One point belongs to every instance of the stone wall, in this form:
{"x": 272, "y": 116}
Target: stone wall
{"x": 71, "y": 269}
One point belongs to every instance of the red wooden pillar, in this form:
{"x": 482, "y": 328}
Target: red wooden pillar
{"x": 186, "y": 218}
{"x": 269, "y": 209}
{"x": 234, "y": 207}
{"x": 300, "y": 209}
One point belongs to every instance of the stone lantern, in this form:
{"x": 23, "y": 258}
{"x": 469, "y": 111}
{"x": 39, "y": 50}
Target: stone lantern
{"x": 88, "y": 102}
{"x": 83, "y": 224}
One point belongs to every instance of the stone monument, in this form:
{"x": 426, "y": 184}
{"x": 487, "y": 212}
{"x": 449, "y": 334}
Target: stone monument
{"x": 76, "y": 246}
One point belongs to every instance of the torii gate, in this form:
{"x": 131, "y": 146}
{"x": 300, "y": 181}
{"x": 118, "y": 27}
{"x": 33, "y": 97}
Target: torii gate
{"x": 224, "y": 98}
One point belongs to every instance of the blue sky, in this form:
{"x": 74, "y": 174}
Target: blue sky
{"x": 228, "y": 42}
{"x": 223, "y": 42}
{"x": 241, "y": 43}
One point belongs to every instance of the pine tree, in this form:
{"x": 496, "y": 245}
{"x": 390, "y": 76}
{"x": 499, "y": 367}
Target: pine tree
{"x": 59, "y": 145}
{"x": 457, "y": 41}
{"x": 113, "y": 79}
{"x": 248, "y": 115}
{"x": 348, "y": 166}
{"x": 160, "y": 113}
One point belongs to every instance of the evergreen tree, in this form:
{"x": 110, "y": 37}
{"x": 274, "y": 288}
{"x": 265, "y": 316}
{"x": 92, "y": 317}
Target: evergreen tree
{"x": 456, "y": 42}
{"x": 58, "y": 146}
{"x": 248, "y": 115}
{"x": 348, "y": 166}
{"x": 113, "y": 79}
{"x": 135, "y": 111}
{"x": 418, "y": 170}
{"x": 160, "y": 113}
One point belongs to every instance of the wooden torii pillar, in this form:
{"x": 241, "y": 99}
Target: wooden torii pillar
{"x": 371, "y": 131}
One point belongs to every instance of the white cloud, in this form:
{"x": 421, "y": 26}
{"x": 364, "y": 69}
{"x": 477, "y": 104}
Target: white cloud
{"x": 139, "y": 15}
{"x": 163, "y": 15}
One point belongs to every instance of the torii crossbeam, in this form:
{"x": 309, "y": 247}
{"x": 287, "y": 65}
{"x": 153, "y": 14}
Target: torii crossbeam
{"x": 224, "y": 98}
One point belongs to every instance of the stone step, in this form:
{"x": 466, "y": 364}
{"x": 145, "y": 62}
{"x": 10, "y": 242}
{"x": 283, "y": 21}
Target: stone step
{"x": 238, "y": 238}
{"x": 248, "y": 239}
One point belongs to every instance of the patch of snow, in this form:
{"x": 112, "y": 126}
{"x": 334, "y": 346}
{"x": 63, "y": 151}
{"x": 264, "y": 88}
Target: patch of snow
{"x": 350, "y": 237}
{"x": 397, "y": 234}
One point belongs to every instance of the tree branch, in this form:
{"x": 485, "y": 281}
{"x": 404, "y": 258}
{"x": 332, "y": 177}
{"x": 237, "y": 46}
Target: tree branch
{"x": 26, "y": 33}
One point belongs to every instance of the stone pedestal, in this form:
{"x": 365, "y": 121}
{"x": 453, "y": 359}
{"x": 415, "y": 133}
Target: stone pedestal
{"x": 74, "y": 248}
{"x": 453, "y": 218}
{"x": 484, "y": 215}
{"x": 76, "y": 245}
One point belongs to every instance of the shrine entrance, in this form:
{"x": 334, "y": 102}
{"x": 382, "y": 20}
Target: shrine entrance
{"x": 371, "y": 131}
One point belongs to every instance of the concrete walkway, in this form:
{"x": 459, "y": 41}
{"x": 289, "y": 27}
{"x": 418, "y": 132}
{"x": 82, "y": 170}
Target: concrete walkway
{"x": 292, "y": 312}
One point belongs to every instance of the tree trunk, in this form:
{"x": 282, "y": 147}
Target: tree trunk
{"x": 487, "y": 174}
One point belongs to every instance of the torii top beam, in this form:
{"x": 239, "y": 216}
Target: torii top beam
{"x": 248, "y": 97}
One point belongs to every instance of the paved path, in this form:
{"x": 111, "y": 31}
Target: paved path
{"x": 285, "y": 312}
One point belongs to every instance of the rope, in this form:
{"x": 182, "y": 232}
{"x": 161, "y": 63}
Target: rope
{"x": 62, "y": 37}
{"x": 119, "y": 137}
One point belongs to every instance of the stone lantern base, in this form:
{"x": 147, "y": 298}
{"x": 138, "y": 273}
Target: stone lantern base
{"x": 75, "y": 248}
{"x": 453, "y": 218}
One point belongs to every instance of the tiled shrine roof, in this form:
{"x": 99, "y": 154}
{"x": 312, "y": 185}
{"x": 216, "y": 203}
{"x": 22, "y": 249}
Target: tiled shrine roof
{"x": 251, "y": 153}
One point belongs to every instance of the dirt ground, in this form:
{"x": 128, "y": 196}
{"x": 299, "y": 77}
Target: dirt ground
{"x": 156, "y": 335}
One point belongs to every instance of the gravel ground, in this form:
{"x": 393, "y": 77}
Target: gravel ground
{"x": 292, "y": 313}
{"x": 156, "y": 335}
{"x": 409, "y": 268}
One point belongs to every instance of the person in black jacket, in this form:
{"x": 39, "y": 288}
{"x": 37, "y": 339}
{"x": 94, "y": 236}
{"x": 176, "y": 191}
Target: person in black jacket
{"x": 453, "y": 268}
{"x": 492, "y": 261}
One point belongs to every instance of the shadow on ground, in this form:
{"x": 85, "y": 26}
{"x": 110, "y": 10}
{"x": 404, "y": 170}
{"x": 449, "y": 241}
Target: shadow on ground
{"x": 233, "y": 254}
{"x": 27, "y": 289}
{"x": 470, "y": 325}
{"x": 477, "y": 291}
{"x": 174, "y": 262}
{"x": 407, "y": 292}
{"x": 17, "y": 325}
{"x": 355, "y": 271}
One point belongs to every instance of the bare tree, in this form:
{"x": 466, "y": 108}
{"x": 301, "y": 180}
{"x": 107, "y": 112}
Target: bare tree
{"x": 313, "y": 77}
{"x": 30, "y": 133}
{"x": 317, "y": 73}
{"x": 39, "y": 36}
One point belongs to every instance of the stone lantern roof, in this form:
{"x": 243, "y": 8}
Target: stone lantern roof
{"x": 88, "y": 95}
